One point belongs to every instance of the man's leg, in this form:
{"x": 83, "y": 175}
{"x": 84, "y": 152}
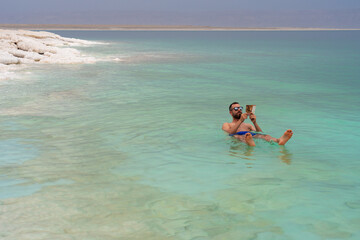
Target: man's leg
{"x": 247, "y": 138}
{"x": 281, "y": 141}
{"x": 267, "y": 138}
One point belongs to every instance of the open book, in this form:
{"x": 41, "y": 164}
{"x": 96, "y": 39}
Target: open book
{"x": 250, "y": 109}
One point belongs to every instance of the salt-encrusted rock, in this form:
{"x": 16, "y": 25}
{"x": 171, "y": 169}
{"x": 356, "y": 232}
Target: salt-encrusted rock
{"x": 34, "y": 46}
{"x": 6, "y": 45}
{"x": 33, "y": 56}
{"x": 17, "y": 53}
{"x": 54, "y": 42}
{"x": 7, "y": 58}
{"x": 24, "y": 54}
{"x": 26, "y": 61}
{"x": 23, "y": 47}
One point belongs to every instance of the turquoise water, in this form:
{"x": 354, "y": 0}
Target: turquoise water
{"x": 133, "y": 149}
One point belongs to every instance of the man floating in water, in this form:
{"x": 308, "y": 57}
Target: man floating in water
{"x": 245, "y": 131}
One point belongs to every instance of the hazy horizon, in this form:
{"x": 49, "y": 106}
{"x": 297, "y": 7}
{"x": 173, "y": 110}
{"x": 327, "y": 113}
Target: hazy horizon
{"x": 230, "y": 13}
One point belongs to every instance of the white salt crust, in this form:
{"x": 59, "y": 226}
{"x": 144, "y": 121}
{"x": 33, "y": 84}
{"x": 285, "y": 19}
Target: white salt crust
{"x": 26, "y": 47}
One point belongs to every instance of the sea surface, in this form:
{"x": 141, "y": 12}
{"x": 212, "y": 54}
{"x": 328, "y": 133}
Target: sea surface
{"x": 131, "y": 147}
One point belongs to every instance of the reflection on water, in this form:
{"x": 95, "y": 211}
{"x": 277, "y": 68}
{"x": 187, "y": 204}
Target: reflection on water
{"x": 285, "y": 155}
{"x": 241, "y": 150}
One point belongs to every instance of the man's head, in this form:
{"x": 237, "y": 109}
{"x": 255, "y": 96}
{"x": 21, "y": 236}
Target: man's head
{"x": 235, "y": 110}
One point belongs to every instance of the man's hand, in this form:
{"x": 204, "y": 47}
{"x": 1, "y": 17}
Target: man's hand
{"x": 243, "y": 117}
{"x": 253, "y": 117}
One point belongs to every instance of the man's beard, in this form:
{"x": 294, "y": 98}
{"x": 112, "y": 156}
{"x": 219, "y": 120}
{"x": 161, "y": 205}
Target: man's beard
{"x": 237, "y": 115}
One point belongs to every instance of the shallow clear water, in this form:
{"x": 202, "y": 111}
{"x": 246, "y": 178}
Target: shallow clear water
{"x": 133, "y": 149}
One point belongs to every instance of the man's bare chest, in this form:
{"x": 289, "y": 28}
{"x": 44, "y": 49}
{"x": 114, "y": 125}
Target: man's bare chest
{"x": 244, "y": 127}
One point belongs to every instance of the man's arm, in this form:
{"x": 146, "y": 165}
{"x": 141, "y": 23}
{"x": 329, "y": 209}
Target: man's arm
{"x": 233, "y": 129}
{"x": 253, "y": 119}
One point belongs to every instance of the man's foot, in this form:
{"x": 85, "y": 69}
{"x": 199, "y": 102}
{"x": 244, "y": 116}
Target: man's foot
{"x": 286, "y": 137}
{"x": 249, "y": 140}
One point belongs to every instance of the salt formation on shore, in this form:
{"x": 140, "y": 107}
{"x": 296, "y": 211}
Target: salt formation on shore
{"x": 22, "y": 47}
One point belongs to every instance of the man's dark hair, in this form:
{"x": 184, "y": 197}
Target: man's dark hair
{"x": 232, "y": 104}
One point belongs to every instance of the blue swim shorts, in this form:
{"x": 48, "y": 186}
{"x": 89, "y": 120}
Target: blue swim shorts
{"x": 243, "y": 133}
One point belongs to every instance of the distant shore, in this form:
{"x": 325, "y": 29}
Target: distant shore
{"x": 154, "y": 28}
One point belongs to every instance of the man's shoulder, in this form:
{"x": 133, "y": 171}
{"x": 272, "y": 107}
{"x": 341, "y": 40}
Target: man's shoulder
{"x": 226, "y": 126}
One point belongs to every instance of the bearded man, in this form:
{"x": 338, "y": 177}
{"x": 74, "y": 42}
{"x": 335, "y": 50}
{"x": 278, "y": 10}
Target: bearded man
{"x": 246, "y": 132}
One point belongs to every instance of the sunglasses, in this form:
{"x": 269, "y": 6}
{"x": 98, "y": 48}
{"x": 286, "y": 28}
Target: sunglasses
{"x": 238, "y": 108}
